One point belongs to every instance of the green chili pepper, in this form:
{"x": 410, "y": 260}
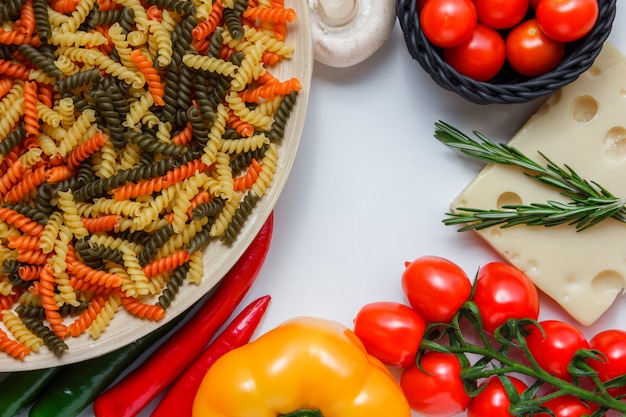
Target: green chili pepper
{"x": 77, "y": 385}
{"x": 20, "y": 389}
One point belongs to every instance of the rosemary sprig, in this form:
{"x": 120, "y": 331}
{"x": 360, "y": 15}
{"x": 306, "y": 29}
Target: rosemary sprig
{"x": 548, "y": 214}
{"x": 590, "y": 202}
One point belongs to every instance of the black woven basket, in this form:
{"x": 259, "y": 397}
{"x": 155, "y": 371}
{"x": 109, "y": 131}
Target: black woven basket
{"x": 507, "y": 86}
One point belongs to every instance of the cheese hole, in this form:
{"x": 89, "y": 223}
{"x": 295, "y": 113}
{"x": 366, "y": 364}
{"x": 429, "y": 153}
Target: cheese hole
{"x": 505, "y": 199}
{"x": 555, "y": 98}
{"x": 570, "y": 284}
{"x": 509, "y": 198}
{"x": 551, "y": 101}
{"x": 594, "y": 71}
{"x": 608, "y": 284}
{"x": 532, "y": 268}
{"x": 584, "y": 108}
{"x": 615, "y": 144}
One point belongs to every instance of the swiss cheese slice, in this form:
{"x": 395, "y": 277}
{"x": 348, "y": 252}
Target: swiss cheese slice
{"x": 583, "y": 125}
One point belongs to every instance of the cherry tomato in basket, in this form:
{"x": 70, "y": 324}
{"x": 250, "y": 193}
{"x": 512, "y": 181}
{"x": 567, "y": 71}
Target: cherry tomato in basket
{"x": 435, "y": 287}
{"x": 503, "y": 292}
{"x": 390, "y": 331}
{"x": 530, "y": 51}
{"x": 435, "y": 388}
{"x": 566, "y": 406}
{"x": 447, "y": 23}
{"x": 612, "y": 344}
{"x": 493, "y": 400}
{"x": 501, "y": 14}
{"x": 567, "y": 20}
{"x": 481, "y": 56}
{"x": 555, "y": 347}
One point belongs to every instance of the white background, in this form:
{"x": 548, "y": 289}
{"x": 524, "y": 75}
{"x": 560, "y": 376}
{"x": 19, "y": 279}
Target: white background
{"x": 370, "y": 186}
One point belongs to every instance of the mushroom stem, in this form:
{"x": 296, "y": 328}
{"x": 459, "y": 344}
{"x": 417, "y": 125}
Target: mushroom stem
{"x": 337, "y": 12}
{"x": 347, "y": 32}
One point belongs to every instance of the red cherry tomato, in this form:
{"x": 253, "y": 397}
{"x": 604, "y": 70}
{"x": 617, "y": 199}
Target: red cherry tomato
{"x": 390, "y": 331}
{"x": 435, "y": 287}
{"x": 530, "y": 51}
{"x": 566, "y": 406}
{"x": 447, "y": 23}
{"x": 493, "y": 401}
{"x": 480, "y": 57}
{"x": 554, "y": 351}
{"x": 503, "y": 292}
{"x": 567, "y": 20}
{"x": 612, "y": 344}
{"x": 435, "y": 388}
{"x": 501, "y": 14}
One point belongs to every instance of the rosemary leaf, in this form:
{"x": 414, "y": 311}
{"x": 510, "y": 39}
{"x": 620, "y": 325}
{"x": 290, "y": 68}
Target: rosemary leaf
{"x": 590, "y": 202}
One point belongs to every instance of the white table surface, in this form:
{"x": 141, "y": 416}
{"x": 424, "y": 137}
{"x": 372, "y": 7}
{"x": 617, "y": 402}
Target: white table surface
{"x": 370, "y": 186}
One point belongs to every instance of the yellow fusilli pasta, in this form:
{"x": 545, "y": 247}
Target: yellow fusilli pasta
{"x": 268, "y": 170}
{"x": 20, "y": 331}
{"x": 71, "y": 217}
{"x": 196, "y": 268}
{"x": 104, "y": 316}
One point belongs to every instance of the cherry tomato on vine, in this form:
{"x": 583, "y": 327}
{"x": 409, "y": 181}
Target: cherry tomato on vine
{"x": 435, "y": 287}
{"x": 530, "y": 51}
{"x": 390, "y": 331}
{"x": 435, "y": 388}
{"x": 612, "y": 344}
{"x": 555, "y": 347}
{"x": 567, "y": 20}
{"x": 566, "y": 406}
{"x": 493, "y": 400}
{"x": 503, "y": 292}
{"x": 447, "y": 23}
{"x": 480, "y": 57}
{"x": 501, "y": 14}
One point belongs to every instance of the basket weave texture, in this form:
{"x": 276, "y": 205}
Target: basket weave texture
{"x": 507, "y": 86}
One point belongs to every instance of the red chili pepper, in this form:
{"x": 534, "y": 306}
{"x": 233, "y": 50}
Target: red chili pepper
{"x": 137, "y": 389}
{"x": 178, "y": 401}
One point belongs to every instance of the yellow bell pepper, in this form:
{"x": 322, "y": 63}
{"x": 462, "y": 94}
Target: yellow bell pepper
{"x": 303, "y": 367}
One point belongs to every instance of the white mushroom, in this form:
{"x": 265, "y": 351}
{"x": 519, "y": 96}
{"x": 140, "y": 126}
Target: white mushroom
{"x": 346, "y": 32}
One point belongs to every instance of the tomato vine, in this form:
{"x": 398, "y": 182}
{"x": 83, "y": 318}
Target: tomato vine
{"x": 498, "y": 355}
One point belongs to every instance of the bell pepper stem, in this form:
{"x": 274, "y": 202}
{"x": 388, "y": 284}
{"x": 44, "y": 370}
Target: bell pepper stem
{"x": 303, "y": 413}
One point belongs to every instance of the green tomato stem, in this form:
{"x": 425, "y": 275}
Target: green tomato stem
{"x": 511, "y": 366}
{"x": 495, "y": 360}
